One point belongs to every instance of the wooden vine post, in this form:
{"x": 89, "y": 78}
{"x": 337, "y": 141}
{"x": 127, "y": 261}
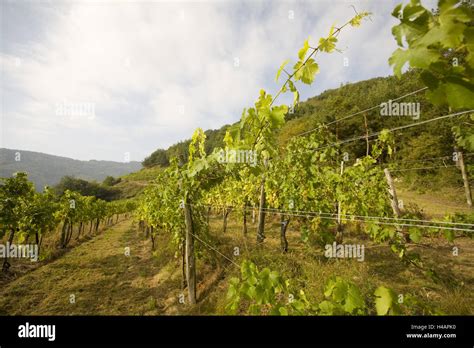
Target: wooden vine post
{"x": 339, "y": 231}
{"x": 283, "y": 227}
{"x": 261, "y": 208}
{"x": 394, "y": 201}
{"x": 393, "y": 193}
{"x": 244, "y": 227}
{"x": 189, "y": 253}
{"x": 261, "y": 214}
{"x": 225, "y": 215}
{"x": 465, "y": 177}
{"x": 366, "y": 135}
{"x": 183, "y": 265}
{"x": 6, "y": 264}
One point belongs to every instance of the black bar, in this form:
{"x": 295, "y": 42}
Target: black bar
{"x": 242, "y": 330}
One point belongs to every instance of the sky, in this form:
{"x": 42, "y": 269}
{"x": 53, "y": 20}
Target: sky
{"x": 115, "y": 80}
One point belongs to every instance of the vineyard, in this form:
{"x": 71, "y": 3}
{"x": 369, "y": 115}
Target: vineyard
{"x": 28, "y": 215}
{"x": 305, "y": 227}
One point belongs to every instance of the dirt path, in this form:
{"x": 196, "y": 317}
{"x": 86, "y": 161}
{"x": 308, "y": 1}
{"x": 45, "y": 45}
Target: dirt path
{"x": 101, "y": 279}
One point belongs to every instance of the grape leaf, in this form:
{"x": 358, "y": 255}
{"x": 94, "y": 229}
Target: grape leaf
{"x": 282, "y": 66}
{"x": 384, "y": 300}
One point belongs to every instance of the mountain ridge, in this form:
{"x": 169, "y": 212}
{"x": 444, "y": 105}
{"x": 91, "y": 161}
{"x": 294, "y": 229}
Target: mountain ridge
{"x": 47, "y": 169}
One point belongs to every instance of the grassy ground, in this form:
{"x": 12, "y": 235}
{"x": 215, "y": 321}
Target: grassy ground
{"x": 309, "y": 270}
{"x": 134, "y": 183}
{"x": 105, "y": 281}
{"x": 144, "y": 174}
{"x": 436, "y": 204}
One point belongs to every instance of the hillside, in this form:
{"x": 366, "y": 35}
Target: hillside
{"x": 416, "y": 144}
{"x": 336, "y": 103}
{"x": 44, "y": 169}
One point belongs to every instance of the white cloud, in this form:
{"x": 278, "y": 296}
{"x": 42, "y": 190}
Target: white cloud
{"x": 157, "y": 70}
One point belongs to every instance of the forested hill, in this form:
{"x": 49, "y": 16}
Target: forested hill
{"x": 427, "y": 141}
{"x": 44, "y": 169}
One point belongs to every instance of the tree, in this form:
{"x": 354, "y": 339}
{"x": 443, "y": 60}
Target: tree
{"x": 157, "y": 158}
{"x": 86, "y": 188}
{"x": 111, "y": 181}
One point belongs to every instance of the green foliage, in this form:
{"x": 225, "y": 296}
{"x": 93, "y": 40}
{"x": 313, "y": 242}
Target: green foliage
{"x": 441, "y": 46}
{"x": 386, "y": 301}
{"x": 464, "y": 132}
{"x": 427, "y": 151}
{"x": 459, "y": 218}
{"x": 257, "y": 127}
{"x": 282, "y": 67}
{"x": 30, "y": 213}
{"x": 159, "y": 205}
{"x": 180, "y": 151}
{"x": 263, "y": 288}
{"x": 412, "y": 146}
{"x": 158, "y": 158}
{"x": 342, "y": 297}
{"x": 415, "y": 234}
{"x": 196, "y": 148}
{"x": 266, "y": 292}
{"x": 305, "y": 71}
{"x": 16, "y": 194}
{"x": 329, "y": 44}
{"x": 433, "y": 42}
{"x": 39, "y": 214}
{"x": 355, "y": 22}
{"x": 111, "y": 181}
{"x": 86, "y": 188}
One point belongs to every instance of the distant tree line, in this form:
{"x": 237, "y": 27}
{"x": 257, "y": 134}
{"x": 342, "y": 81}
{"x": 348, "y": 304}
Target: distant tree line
{"x": 104, "y": 191}
{"x": 180, "y": 150}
